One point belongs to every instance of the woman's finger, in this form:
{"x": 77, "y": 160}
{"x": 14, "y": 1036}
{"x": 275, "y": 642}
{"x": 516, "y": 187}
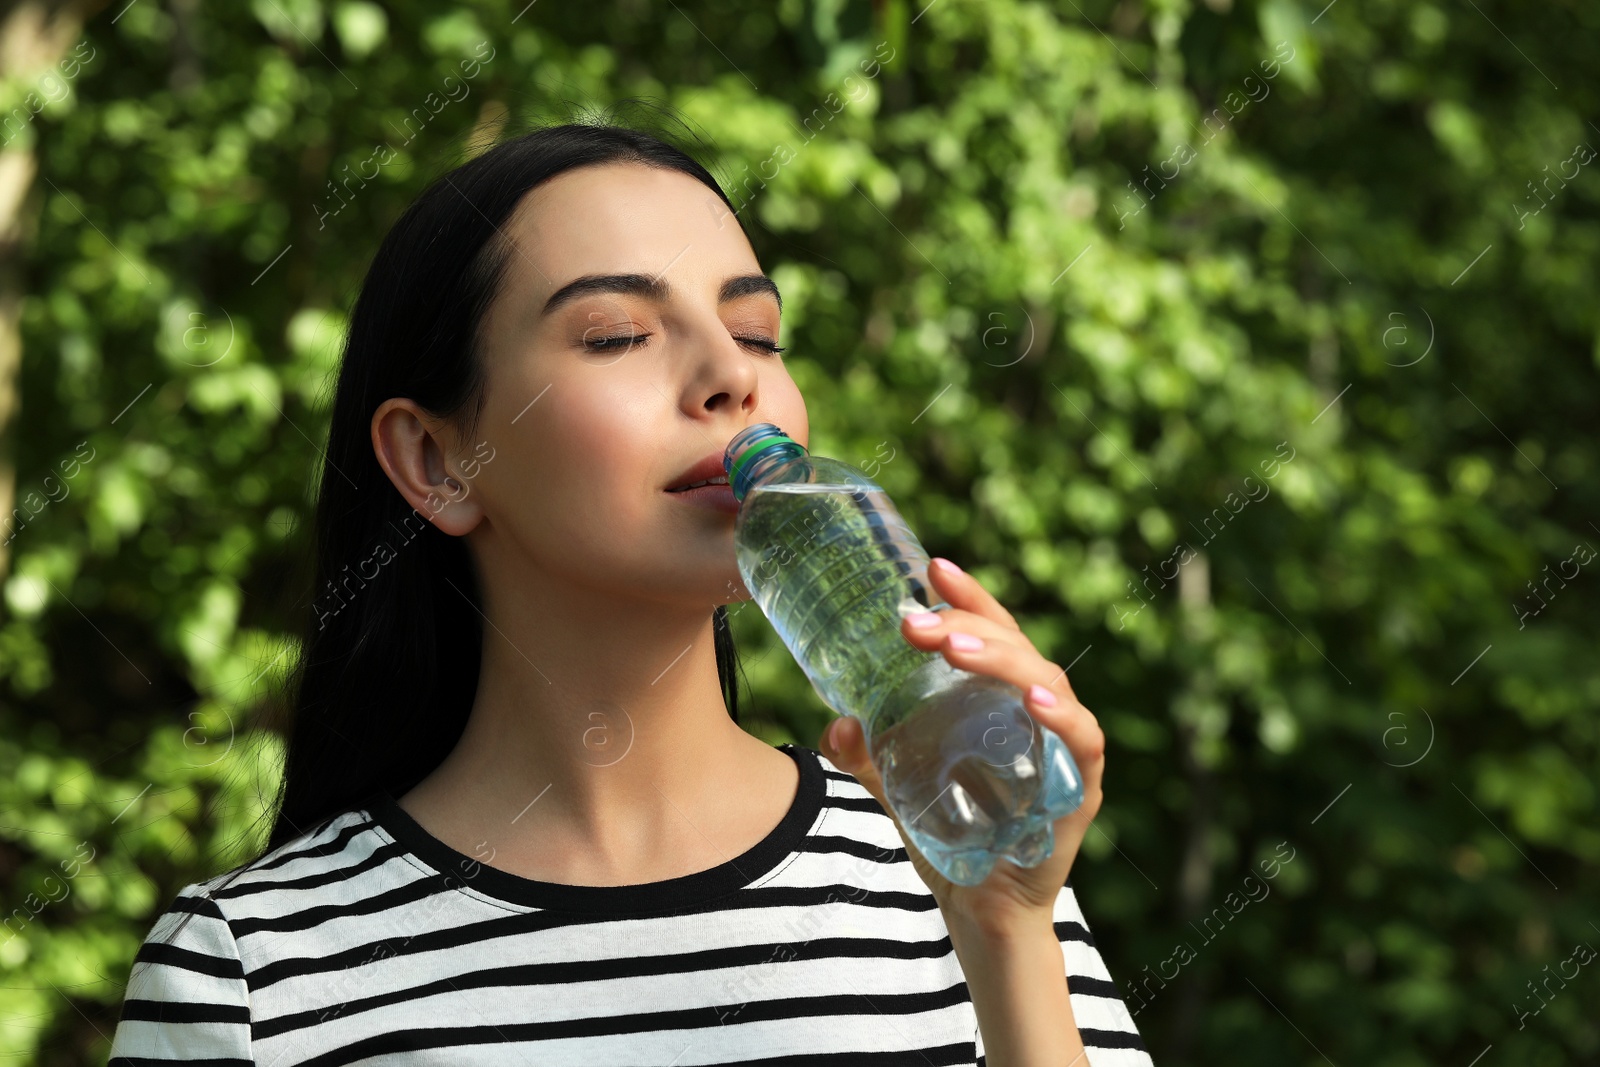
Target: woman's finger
{"x": 845, "y": 745}
{"x": 1011, "y": 657}
{"x": 928, "y": 629}
{"x": 970, "y": 601}
{"x": 1003, "y": 651}
{"x": 1023, "y": 667}
{"x": 1080, "y": 731}
{"x": 950, "y": 633}
{"x": 1047, "y": 695}
{"x": 964, "y": 591}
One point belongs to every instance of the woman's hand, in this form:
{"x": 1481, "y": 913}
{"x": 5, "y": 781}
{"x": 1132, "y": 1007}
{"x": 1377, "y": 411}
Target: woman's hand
{"x": 1011, "y": 897}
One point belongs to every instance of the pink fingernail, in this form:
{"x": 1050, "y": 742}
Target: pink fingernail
{"x": 1042, "y": 696}
{"x": 946, "y": 566}
{"x": 924, "y": 620}
{"x": 965, "y": 643}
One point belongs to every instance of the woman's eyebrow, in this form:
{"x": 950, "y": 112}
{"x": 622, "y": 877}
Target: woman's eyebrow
{"x": 656, "y": 289}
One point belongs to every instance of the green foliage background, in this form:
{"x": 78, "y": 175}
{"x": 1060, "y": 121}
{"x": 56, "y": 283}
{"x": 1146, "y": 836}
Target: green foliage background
{"x": 1073, "y": 375}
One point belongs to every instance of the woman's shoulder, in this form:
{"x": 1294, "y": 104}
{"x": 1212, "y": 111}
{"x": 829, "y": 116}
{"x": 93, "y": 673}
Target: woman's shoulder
{"x": 189, "y": 969}
{"x": 207, "y": 910}
{"x": 336, "y": 842}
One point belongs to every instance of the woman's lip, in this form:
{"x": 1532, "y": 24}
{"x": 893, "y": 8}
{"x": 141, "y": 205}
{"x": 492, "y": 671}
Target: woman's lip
{"x": 714, "y": 497}
{"x": 706, "y": 468}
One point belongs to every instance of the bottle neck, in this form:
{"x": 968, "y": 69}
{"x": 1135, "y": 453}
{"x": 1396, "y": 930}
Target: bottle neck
{"x": 755, "y": 453}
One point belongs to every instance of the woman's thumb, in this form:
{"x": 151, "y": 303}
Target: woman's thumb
{"x": 842, "y": 743}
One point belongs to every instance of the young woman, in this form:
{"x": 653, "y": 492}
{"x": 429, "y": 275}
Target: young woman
{"x": 519, "y": 821}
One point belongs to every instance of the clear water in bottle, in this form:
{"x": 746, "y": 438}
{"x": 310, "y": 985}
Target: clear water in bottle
{"x": 971, "y": 776}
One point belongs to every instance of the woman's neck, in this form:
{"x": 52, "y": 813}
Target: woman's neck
{"x": 599, "y": 751}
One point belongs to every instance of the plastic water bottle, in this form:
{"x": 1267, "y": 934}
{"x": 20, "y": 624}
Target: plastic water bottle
{"x": 971, "y": 776}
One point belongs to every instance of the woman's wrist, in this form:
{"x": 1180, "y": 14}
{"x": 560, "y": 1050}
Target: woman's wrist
{"x": 996, "y": 920}
{"x": 1016, "y": 976}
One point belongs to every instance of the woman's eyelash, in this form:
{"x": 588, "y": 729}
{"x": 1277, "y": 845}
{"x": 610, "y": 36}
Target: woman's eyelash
{"x": 761, "y": 343}
{"x": 606, "y": 344}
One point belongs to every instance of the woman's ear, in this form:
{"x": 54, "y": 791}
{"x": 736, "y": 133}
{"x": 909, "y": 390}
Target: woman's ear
{"x": 417, "y": 452}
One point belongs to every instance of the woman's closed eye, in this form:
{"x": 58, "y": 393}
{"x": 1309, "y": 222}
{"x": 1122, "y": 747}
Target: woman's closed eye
{"x": 611, "y": 344}
{"x": 771, "y": 347}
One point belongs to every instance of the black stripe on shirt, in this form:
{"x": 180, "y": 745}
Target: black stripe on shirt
{"x": 167, "y": 1011}
{"x": 198, "y": 904}
{"x": 1083, "y": 986}
{"x": 943, "y": 1056}
{"x": 867, "y": 804}
{"x": 188, "y": 960}
{"x": 1071, "y": 930}
{"x": 889, "y": 1004}
{"x": 1110, "y": 1039}
{"x": 378, "y": 858}
{"x": 825, "y": 843}
{"x": 565, "y": 972}
{"x": 326, "y": 849}
{"x": 316, "y": 915}
{"x": 435, "y": 939}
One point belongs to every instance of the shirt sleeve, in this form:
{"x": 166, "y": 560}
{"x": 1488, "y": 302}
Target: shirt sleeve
{"x": 187, "y": 1000}
{"x": 1110, "y": 1038}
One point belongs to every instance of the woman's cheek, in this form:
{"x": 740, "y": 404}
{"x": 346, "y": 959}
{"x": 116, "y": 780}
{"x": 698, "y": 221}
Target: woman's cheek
{"x": 787, "y": 405}
{"x": 604, "y": 460}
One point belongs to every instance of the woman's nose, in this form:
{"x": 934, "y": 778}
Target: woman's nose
{"x": 724, "y": 375}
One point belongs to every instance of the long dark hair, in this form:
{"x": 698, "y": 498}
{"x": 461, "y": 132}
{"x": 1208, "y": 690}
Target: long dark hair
{"x": 388, "y": 664}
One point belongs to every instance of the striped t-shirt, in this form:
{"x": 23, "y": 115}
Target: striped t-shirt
{"x": 367, "y": 940}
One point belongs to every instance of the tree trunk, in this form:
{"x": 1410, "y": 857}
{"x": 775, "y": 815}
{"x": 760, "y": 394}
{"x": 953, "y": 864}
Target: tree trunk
{"x": 34, "y": 35}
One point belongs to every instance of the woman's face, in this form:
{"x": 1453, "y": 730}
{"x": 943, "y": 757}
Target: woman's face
{"x": 588, "y": 428}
